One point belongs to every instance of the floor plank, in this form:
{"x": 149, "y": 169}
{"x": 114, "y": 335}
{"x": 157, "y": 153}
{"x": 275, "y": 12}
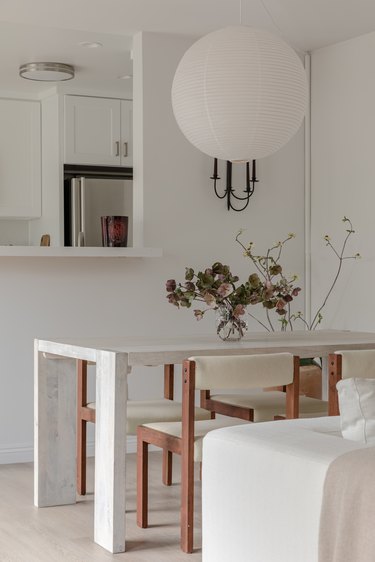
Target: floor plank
{"x": 64, "y": 534}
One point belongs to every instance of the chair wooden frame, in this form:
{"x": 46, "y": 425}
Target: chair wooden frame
{"x": 184, "y": 446}
{"x": 87, "y": 415}
{"x": 216, "y": 407}
{"x": 335, "y": 375}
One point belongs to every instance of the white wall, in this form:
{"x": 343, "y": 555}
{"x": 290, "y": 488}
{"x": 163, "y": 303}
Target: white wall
{"x": 343, "y": 177}
{"x": 69, "y": 297}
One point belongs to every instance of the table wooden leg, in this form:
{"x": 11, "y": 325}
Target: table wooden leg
{"x": 54, "y": 430}
{"x": 110, "y": 449}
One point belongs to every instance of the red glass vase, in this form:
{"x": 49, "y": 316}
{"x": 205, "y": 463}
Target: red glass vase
{"x": 115, "y": 231}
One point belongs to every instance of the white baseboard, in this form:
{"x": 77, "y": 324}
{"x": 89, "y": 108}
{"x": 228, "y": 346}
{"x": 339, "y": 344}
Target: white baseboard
{"x": 90, "y": 449}
{"x": 24, "y": 452}
{"x": 18, "y": 452}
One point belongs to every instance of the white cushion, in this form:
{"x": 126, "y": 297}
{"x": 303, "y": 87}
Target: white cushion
{"x": 357, "y": 409}
{"x": 147, "y": 411}
{"x": 243, "y": 371}
{"x": 268, "y": 404}
{"x": 201, "y": 429}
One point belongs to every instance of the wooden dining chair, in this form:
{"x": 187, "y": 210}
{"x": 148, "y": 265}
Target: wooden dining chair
{"x": 258, "y": 406}
{"x": 185, "y": 438}
{"x": 138, "y": 412}
{"x": 344, "y": 365}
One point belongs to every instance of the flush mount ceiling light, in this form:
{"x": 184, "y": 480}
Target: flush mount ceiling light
{"x": 239, "y": 93}
{"x": 90, "y": 44}
{"x": 46, "y": 71}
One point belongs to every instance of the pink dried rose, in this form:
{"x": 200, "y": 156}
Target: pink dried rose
{"x": 172, "y": 299}
{"x": 209, "y": 300}
{"x": 269, "y": 290}
{"x": 239, "y": 310}
{"x": 170, "y": 285}
{"x": 224, "y": 290}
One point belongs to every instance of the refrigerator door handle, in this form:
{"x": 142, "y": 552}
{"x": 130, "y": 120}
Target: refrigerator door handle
{"x": 82, "y": 230}
{"x": 75, "y": 210}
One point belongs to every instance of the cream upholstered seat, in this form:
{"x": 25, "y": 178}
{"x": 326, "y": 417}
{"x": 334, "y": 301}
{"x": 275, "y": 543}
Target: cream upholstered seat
{"x": 138, "y": 412}
{"x": 185, "y": 438}
{"x": 348, "y": 364}
{"x": 141, "y": 412}
{"x": 202, "y": 427}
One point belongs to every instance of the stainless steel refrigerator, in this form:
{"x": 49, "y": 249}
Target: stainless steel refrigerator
{"x": 89, "y": 194}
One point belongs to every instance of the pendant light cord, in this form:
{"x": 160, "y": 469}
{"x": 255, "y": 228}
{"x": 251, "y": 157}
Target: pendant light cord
{"x": 240, "y": 12}
{"x": 297, "y": 48}
{"x": 271, "y": 17}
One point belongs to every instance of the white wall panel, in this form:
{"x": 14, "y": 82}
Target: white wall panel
{"x": 70, "y": 297}
{"x": 343, "y": 178}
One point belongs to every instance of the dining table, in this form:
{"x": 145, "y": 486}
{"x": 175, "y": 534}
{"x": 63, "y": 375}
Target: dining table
{"x": 55, "y": 393}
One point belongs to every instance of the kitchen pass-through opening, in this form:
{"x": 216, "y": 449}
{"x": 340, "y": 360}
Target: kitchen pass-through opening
{"x": 93, "y": 192}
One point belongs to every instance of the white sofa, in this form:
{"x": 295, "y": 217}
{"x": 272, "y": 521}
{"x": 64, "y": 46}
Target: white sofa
{"x": 262, "y": 489}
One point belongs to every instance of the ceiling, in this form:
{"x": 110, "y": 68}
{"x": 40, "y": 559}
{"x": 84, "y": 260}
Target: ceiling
{"x": 51, "y": 29}
{"x": 95, "y": 68}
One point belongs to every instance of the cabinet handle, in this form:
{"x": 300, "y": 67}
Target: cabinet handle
{"x": 117, "y": 143}
{"x": 125, "y": 149}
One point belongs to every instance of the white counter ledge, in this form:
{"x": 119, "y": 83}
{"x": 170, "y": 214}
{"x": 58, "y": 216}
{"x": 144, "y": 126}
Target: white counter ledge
{"x": 86, "y": 252}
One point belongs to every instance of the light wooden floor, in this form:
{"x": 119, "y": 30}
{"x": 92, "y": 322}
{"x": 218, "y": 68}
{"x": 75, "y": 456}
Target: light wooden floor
{"x": 64, "y": 534}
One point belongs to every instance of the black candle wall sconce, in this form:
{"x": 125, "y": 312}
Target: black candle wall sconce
{"x": 229, "y": 193}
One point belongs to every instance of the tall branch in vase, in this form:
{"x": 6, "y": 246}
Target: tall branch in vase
{"x": 275, "y": 290}
{"x": 270, "y": 286}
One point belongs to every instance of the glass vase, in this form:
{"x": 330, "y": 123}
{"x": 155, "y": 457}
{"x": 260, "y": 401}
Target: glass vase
{"x": 228, "y": 326}
{"x": 115, "y": 231}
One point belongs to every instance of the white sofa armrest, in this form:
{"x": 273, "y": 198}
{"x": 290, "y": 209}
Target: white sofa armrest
{"x": 262, "y": 489}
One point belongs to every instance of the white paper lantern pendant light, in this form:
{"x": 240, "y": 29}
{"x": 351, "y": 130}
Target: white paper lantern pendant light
{"x": 239, "y": 93}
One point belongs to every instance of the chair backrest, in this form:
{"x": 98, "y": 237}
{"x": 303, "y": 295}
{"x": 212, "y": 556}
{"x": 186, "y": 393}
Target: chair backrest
{"x": 240, "y": 372}
{"x": 243, "y": 371}
{"x": 359, "y": 363}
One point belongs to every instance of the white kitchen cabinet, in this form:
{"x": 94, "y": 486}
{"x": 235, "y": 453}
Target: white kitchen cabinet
{"x": 97, "y": 131}
{"x": 20, "y": 159}
{"x": 127, "y": 133}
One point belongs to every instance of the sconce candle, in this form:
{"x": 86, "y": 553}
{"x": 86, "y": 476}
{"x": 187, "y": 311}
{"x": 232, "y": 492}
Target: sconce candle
{"x": 229, "y": 193}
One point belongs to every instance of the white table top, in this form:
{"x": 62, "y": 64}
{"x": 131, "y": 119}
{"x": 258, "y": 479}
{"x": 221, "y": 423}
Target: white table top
{"x": 158, "y": 351}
